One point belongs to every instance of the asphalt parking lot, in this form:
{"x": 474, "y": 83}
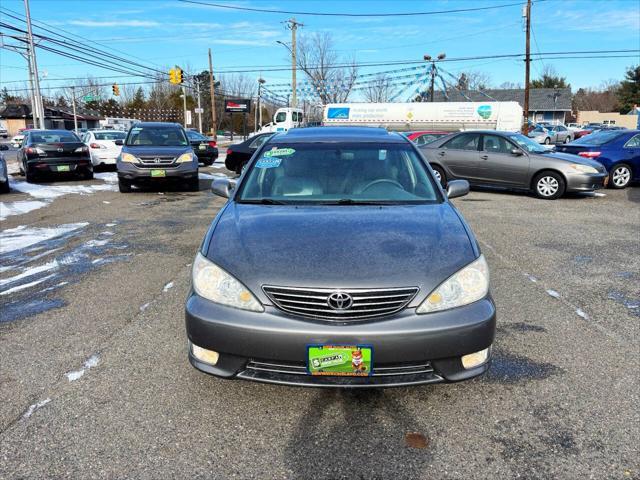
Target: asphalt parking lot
{"x": 95, "y": 381}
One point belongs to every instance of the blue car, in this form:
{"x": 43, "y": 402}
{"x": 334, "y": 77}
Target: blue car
{"x": 617, "y": 150}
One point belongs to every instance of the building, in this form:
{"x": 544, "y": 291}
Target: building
{"x": 18, "y": 116}
{"x": 545, "y": 104}
{"x": 629, "y": 120}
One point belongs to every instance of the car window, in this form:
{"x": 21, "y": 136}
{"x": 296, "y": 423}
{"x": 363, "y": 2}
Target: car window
{"x": 281, "y": 117}
{"x": 599, "y": 138}
{"x": 109, "y": 135}
{"x": 634, "y": 142}
{"x": 527, "y": 144}
{"x": 161, "y": 136}
{"x": 496, "y": 144}
{"x": 466, "y": 141}
{"x": 562, "y": 129}
{"x": 195, "y": 135}
{"x": 54, "y": 137}
{"x": 330, "y": 173}
{"x": 258, "y": 142}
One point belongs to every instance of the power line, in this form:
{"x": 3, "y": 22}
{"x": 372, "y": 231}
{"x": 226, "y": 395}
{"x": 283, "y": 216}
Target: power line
{"x": 321, "y": 14}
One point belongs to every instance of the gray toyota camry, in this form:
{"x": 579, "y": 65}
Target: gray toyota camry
{"x": 339, "y": 261}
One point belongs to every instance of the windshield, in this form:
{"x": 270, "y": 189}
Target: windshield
{"x": 599, "y": 138}
{"x": 281, "y": 117}
{"x": 539, "y": 130}
{"x": 338, "y": 174}
{"x": 109, "y": 135}
{"x": 527, "y": 144}
{"x": 157, "y": 136}
{"x": 54, "y": 137}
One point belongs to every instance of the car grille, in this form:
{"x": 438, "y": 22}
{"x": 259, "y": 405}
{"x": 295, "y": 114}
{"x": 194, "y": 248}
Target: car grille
{"x": 314, "y": 302}
{"x": 156, "y": 161}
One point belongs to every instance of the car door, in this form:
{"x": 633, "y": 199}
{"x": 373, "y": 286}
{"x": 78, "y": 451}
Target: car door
{"x": 632, "y": 154}
{"x": 500, "y": 165}
{"x": 460, "y": 156}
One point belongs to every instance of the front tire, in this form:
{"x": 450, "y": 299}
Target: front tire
{"x": 549, "y": 185}
{"x": 547, "y": 141}
{"x": 4, "y": 187}
{"x": 567, "y": 139}
{"x": 440, "y": 175}
{"x": 620, "y": 176}
{"x": 124, "y": 186}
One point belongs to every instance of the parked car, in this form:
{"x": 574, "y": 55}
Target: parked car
{"x": 239, "y": 154}
{"x": 511, "y": 160}
{"x": 16, "y": 140}
{"x": 617, "y": 150}
{"x": 424, "y": 137}
{"x": 102, "y": 145}
{"x": 3, "y": 132}
{"x": 156, "y": 151}
{"x": 205, "y": 148}
{"x": 4, "y": 172}
{"x": 551, "y": 134}
{"x": 53, "y": 151}
{"x": 319, "y": 294}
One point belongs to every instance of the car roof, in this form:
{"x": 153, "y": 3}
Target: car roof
{"x": 338, "y": 134}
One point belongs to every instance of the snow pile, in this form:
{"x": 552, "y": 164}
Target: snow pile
{"x": 23, "y": 237}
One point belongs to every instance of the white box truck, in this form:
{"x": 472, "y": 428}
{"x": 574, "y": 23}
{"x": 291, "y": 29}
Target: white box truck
{"x": 444, "y": 116}
{"x": 284, "y": 119}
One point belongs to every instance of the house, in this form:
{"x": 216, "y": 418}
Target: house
{"x": 545, "y": 104}
{"x": 18, "y": 116}
{"x": 629, "y": 120}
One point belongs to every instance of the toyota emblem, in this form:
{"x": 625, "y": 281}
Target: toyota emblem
{"x": 340, "y": 301}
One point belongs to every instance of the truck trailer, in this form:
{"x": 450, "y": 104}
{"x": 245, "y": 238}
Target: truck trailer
{"x": 444, "y": 116}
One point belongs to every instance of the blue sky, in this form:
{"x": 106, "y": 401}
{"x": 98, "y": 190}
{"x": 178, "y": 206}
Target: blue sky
{"x": 167, "y": 32}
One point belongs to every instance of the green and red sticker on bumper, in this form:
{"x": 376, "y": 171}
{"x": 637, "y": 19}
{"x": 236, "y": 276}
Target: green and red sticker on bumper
{"x": 340, "y": 360}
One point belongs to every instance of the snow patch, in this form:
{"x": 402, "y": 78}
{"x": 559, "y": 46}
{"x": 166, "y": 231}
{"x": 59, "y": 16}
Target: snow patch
{"x": 531, "y": 277}
{"x": 50, "y": 192}
{"x": 27, "y": 285}
{"x": 107, "y": 232}
{"x": 145, "y": 306}
{"x": 96, "y": 243}
{"x": 167, "y": 287}
{"x": 553, "y": 293}
{"x": 582, "y": 313}
{"x": 104, "y": 201}
{"x": 21, "y": 237}
{"x": 32, "y": 408}
{"x": 18, "y": 208}
{"x": 110, "y": 224}
{"x": 211, "y": 176}
{"x": 110, "y": 177}
{"x": 89, "y": 363}
{"x": 73, "y": 376}
{"x": 30, "y": 272}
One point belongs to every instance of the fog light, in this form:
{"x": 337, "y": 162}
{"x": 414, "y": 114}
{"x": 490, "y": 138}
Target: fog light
{"x": 204, "y": 355}
{"x": 474, "y": 359}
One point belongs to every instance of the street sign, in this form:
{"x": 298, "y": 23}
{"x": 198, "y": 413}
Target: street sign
{"x": 187, "y": 117}
{"x": 89, "y": 98}
{"x": 240, "y": 105}
{"x": 198, "y": 110}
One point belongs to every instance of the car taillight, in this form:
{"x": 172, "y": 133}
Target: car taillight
{"x": 589, "y": 154}
{"x": 229, "y": 151}
{"x": 96, "y": 145}
{"x": 213, "y": 143}
{"x": 82, "y": 149}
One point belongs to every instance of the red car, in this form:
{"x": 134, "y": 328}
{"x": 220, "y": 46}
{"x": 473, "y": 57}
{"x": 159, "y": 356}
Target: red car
{"x": 426, "y": 136}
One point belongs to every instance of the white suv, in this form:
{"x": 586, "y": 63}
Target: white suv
{"x": 104, "y": 145}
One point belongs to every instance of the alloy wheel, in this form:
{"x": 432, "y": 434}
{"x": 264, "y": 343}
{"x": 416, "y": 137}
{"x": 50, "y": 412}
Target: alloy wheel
{"x": 621, "y": 176}
{"x": 547, "y": 186}
{"x": 438, "y": 176}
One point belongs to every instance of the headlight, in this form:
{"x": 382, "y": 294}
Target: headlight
{"x": 583, "y": 168}
{"x": 464, "y": 287}
{"x": 213, "y": 283}
{"x": 127, "y": 157}
{"x": 185, "y": 158}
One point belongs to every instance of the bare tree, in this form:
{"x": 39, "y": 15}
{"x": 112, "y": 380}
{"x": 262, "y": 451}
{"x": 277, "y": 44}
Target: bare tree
{"x": 331, "y": 77}
{"x": 379, "y": 90}
{"x": 238, "y": 85}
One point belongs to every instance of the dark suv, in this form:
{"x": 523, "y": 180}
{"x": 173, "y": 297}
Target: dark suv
{"x": 156, "y": 151}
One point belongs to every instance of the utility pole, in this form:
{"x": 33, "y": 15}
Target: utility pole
{"x": 34, "y": 68}
{"x": 293, "y": 26}
{"x": 184, "y": 106}
{"x": 434, "y": 72}
{"x": 199, "y": 106}
{"x": 73, "y": 103}
{"x": 525, "y": 123}
{"x": 259, "y": 111}
{"x": 214, "y": 128}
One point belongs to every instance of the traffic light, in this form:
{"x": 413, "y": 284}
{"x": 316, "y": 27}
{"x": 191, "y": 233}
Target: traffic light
{"x": 115, "y": 89}
{"x": 175, "y": 76}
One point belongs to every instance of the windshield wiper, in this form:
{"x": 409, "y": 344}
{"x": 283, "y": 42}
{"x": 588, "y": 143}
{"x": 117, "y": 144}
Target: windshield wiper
{"x": 264, "y": 201}
{"x": 351, "y": 201}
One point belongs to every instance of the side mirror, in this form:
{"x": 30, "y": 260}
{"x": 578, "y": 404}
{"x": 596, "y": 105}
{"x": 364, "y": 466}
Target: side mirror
{"x": 517, "y": 152}
{"x": 119, "y": 142}
{"x": 457, "y": 188}
{"x": 4, "y": 147}
{"x": 223, "y": 187}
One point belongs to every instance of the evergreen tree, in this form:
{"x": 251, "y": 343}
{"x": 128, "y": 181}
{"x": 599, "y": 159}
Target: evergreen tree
{"x": 629, "y": 91}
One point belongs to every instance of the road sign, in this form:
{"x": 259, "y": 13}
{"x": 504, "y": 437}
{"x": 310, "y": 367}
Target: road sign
{"x": 89, "y": 98}
{"x": 187, "y": 117}
{"x": 198, "y": 110}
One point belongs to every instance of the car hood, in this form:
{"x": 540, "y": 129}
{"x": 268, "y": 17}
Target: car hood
{"x": 568, "y": 157}
{"x": 153, "y": 150}
{"x": 340, "y": 246}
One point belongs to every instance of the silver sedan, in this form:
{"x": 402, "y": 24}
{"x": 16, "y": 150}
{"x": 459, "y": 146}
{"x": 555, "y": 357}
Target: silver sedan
{"x": 549, "y": 135}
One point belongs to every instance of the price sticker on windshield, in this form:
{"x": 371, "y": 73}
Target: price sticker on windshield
{"x": 279, "y": 152}
{"x": 268, "y": 162}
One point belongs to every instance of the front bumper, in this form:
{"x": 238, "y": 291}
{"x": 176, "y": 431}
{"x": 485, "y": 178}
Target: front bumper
{"x": 585, "y": 182}
{"x": 179, "y": 171}
{"x": 409, "y": 349}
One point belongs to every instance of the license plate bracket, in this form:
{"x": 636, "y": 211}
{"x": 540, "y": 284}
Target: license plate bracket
{"x": 340, "y": 360}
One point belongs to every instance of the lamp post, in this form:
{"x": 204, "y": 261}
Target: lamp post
{"x": 434, "y": 70}
{"x": 258, "y": 121}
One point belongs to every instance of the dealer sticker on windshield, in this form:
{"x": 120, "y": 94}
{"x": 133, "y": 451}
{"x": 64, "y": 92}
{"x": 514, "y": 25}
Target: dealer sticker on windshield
{"x": 341, "y": 360}
{"x": 279, "y": 152}
{"x": 268, "y": 162}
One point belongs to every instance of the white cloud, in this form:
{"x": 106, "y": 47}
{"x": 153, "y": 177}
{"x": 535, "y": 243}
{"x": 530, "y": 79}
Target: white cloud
{"x": 114, "y": 23}
{"x": 609, "y": 21}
